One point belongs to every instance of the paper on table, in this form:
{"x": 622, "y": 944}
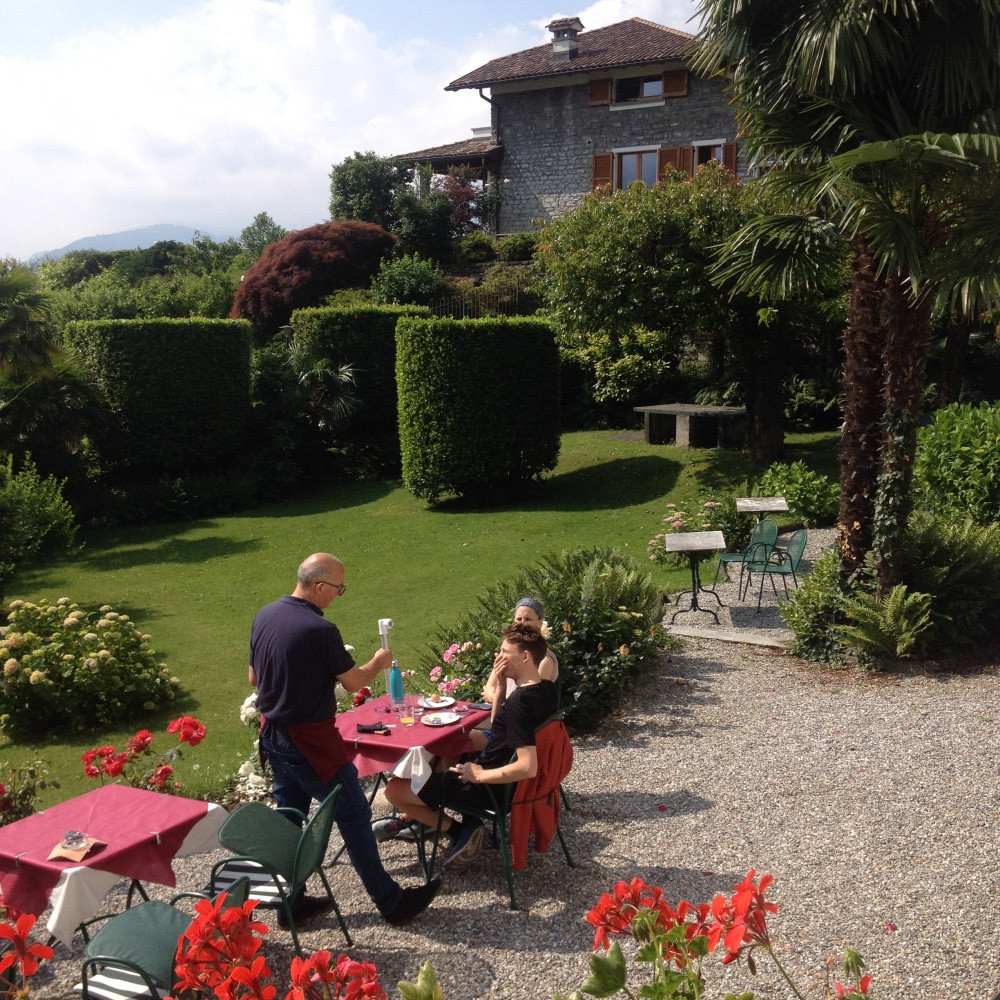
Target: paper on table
{"x": 77, "y": 854}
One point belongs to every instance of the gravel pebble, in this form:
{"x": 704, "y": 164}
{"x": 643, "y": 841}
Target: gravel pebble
{"x": 871, "y": 799}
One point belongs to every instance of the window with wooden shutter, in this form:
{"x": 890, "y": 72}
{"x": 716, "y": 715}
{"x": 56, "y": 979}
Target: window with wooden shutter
{"x": 687, "y": 160}
{"x": 603, "y": 170}
{"x": 600, "y": 92}
{"x": 675, "y": 83}
{"x": 667, "y": 159}
{"x": 729, "y": 157}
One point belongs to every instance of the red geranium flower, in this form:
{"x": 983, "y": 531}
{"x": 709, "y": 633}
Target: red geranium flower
{"x": 161, "y": 776}
{"x": 26, "y": 956}
{"x": 189, "y": 730}
{"x": 141, "y": 741}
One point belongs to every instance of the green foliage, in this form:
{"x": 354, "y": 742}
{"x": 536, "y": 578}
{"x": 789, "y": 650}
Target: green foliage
{"x": 408, "y": 280}
{"x": 363, "y": 187}
{"x": 18, "y": 793}
{"x": 958, "y": 563}
{"x": 517, "y": 247}
{"x": 604, "y": 615}
{"x": 259, "y": 235}
{"x": 470, "y": 422}
{"x": 36, "y": 522}
{"x": 425, "y": 223}
{"x": 179, "y": 390}
{"x": 957, "y": 467}
{"x": 814, "y": 609}
{"x": 885, "y": 627}
{"x": 475, "y": 248}
{"x": 363, "y": 339}
{"x": 810, "y": 405}
{"x": 812, "y": 498}
{"x": 64, "y": 667}
{"x": 425, "y": 988}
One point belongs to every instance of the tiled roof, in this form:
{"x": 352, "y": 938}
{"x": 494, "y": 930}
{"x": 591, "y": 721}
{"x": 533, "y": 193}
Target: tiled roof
{"x": 467, "y": 147}
{"x": 628, "y": 43}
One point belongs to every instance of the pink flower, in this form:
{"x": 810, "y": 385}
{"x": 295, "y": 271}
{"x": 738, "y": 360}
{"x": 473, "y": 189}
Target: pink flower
{"x": 435, "y": 673}
{"x": 450, "y": 652}
{"x": 677, "y": 525}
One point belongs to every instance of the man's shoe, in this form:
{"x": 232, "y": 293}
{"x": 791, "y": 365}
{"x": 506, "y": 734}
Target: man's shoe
{"x": 413, "y": 902}
{"x": 304, "y": 909}
{"x": 391, "y": 828}
{"x": 468, "y": 845}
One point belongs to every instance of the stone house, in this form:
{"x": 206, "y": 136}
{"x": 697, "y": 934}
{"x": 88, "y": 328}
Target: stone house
{"x": 590, "y": 109}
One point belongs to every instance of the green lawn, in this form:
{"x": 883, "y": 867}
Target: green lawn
{"x": 195, "y": 586}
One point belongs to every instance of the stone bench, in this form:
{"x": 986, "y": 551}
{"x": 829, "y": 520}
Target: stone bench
{"x": 689, "y": 425}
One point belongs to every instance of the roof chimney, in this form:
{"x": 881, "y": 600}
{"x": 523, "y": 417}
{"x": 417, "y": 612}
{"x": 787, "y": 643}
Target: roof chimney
{"x": 564, "y": 41}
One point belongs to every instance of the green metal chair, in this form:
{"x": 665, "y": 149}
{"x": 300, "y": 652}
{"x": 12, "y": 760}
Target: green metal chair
{"x": 134, "y": 954}
{"x": 502, "y": 799}
{"x": 277, "y": 855}
{"x": 771, "y": 561}
{"x": 765, "y": 532}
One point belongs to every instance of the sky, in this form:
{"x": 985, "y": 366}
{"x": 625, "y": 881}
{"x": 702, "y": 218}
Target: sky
{"x": 120, "y": 114}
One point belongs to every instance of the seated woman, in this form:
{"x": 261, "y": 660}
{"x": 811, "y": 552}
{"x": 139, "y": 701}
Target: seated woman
{"x": 531, "y": 702}
{"x": 527, "y": 611}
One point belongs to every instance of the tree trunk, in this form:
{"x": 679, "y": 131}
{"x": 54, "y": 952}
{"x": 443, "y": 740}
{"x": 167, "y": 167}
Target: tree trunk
{"x": 862, "y": 408}
{"x": 907, "y": 340}
{"x": 956, "y": 347}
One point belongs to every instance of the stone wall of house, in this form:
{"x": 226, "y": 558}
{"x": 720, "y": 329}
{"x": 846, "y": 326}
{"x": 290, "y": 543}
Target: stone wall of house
{"x": 550, "y": 137}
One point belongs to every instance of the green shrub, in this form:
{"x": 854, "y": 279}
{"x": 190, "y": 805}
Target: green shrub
{"x": 474, "y": 249}
{"x": 179, "y": 390}
{"x": 813, "y": 611}
{"x": 958, "y": 564}
{"x": 363, "y": 338}
{"x": 36, "y": 522}
{"x": 810, "y": 405}
{"x": 957, "y": 466}
{"x": 18, "y": 793}
{"x": 603, "y": 614}
{"x": 517, "y": 246}
{"x": 64, "y": 668}
{"x": 478, "y": 405}
{"x": 888, "y": 627}
{"x": 408, "y": 280}
{"x": 812, "y": 498}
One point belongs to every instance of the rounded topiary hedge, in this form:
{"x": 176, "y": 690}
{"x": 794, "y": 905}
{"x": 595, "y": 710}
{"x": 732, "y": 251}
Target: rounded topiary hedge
{"x": 478, "y": 405}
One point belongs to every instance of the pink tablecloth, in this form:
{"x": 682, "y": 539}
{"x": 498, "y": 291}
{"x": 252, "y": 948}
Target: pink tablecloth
{"x": 142, "y": 832}
{"x": 376, "y": 753}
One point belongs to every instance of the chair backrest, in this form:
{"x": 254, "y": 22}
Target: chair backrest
{"x": 314, "y": 840}
{"x": 796, "y": 546}
{"x": 765, "y": 532}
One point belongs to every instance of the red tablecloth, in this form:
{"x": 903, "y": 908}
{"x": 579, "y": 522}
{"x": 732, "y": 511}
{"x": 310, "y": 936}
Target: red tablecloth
{"x": 374, "y": 753}
{"x": 142, "y": 832}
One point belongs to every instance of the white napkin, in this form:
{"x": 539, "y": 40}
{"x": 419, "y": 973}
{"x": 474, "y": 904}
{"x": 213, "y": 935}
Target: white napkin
{"x": 417, "y": 765}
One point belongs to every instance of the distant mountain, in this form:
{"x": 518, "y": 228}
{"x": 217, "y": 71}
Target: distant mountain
{"x": 130, "y": 239}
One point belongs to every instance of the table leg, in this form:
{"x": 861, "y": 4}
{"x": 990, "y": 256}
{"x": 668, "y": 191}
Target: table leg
{"x": 695, "y": 559}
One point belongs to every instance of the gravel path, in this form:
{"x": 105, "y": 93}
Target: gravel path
{"x": 872, "y": 800}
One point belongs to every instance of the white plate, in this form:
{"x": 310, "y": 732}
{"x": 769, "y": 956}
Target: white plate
{"x": 442, "y": 702}
{"x": 440, "y": 718}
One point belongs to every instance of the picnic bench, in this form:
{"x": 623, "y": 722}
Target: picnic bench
{"x": 689, "y": 425}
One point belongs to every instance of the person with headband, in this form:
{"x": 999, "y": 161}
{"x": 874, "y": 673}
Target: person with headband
{"x": 527, "y": 611}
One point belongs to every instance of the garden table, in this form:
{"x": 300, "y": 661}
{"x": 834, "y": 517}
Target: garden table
{"x": 690, "y": 425}
{"x": 375, "y": 753}
{"x": 141, "y": 833}
{"x": 696, "y": 545}
{"x": 761, "y": 506}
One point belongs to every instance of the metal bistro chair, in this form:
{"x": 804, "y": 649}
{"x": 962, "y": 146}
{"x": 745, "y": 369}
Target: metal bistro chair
{"x": 765, "y": 532}
{"x": 770, "y": 561}
{"x": 506, "y": 798}
{"x": 134, "y": 953}
{"x": 277, "y": 856}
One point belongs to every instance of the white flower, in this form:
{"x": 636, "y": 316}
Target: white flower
{"x": 545, "y": 630}
{"x": 246, "y": 769}
{"x": 350, "y": 649}
{"x": 249, "y": 715}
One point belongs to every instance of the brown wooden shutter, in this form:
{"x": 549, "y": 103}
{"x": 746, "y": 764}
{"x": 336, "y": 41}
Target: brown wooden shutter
{"x": 667, "y": 159}
{"x": 600, "y": 92}
{"x": 687, "y": 160}
{"x": 675, "y": 83}
{"x": 729, "y": 157}
{"x": 603, "y": 171}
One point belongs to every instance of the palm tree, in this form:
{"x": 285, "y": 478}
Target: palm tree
{"x": 870, "y": 110}
{"x": 25, "y": 342}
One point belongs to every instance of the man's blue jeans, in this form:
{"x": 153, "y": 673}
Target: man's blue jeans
{"x": 296, "y": 784}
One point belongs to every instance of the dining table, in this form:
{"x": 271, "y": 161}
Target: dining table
{"x": 696, "y": 545}
{"x": 133, "y": 833}
{"x": 382, "y": 751}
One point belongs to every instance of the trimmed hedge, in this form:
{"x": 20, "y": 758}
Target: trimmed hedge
{"x": 179, "y": 389}
{"x": 363, "y": 337}
{"x": 478, "y": 405}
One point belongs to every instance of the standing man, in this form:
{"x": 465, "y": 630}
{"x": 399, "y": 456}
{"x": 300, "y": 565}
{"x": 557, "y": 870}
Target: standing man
{"x": 296, "y": 659}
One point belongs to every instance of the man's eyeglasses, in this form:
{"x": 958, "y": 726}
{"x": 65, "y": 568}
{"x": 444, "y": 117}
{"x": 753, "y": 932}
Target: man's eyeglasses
{"x": 339, "y": 587}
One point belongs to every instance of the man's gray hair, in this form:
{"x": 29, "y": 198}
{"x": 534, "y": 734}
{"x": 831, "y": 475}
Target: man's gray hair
{"x": 312, "y": 571}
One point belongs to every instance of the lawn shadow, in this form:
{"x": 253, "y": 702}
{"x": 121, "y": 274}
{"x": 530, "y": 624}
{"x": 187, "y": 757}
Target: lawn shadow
{"x": 160, "y": 544}
{"x": 620, "y": 482}
{"x": 339, "y": 496}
